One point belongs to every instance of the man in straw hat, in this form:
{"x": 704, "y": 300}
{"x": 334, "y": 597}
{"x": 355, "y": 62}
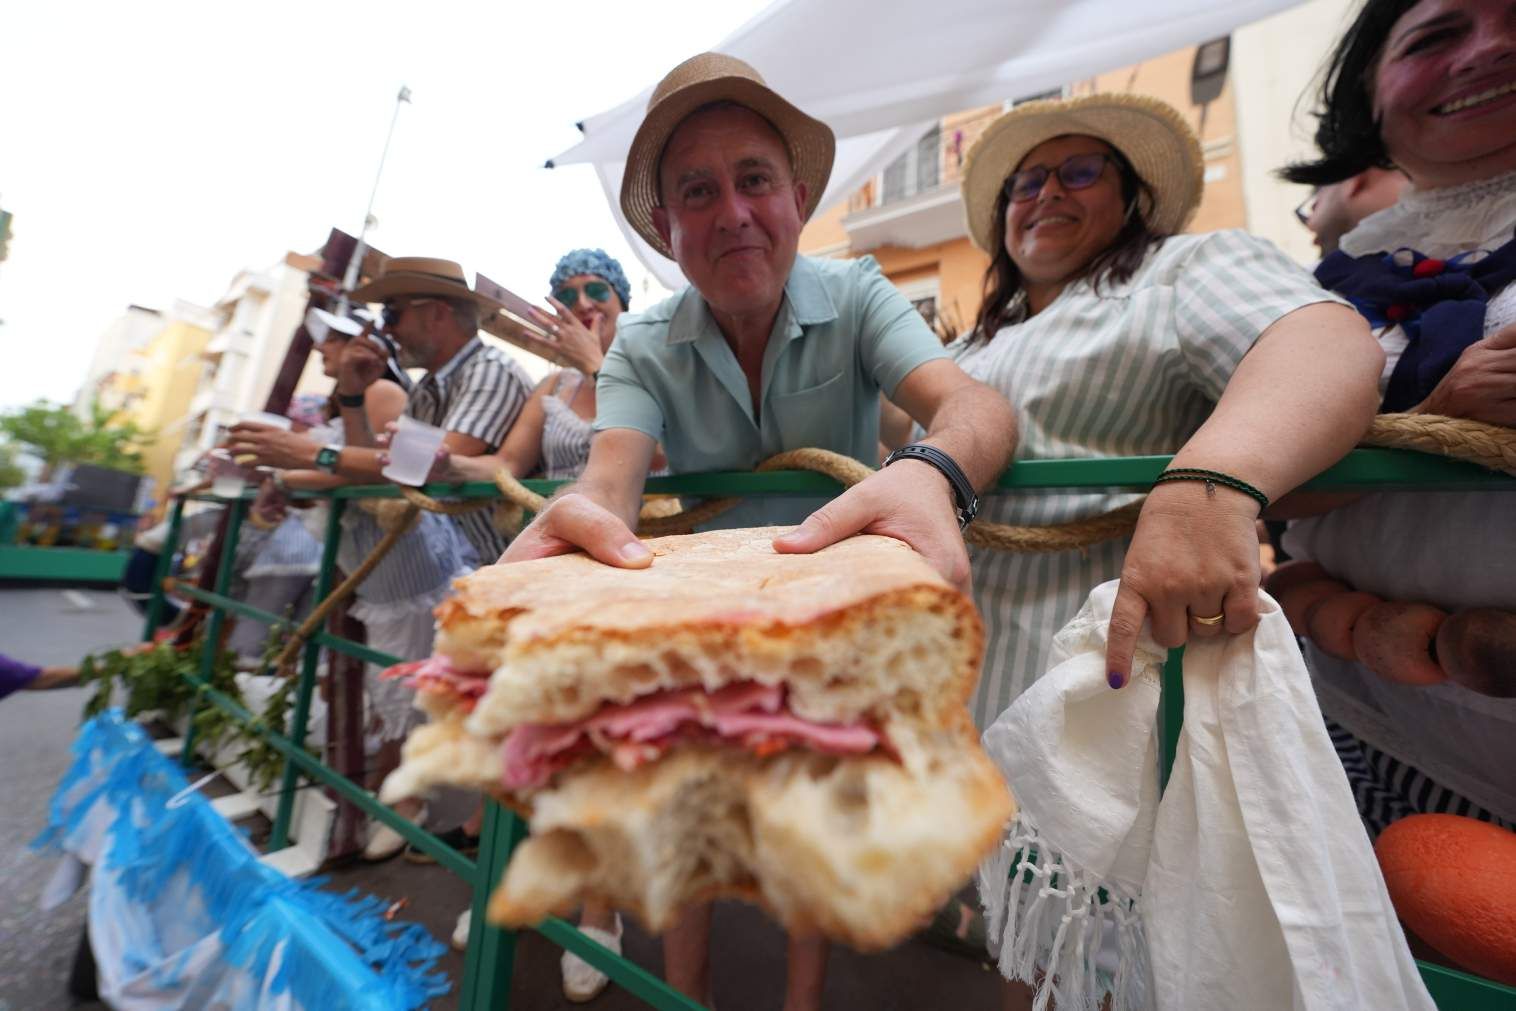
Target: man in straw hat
{"x": 472, "y": 390}
{"x": 766, "y": 351}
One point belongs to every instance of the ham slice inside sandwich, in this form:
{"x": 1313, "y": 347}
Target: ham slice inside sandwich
{"x": 750, "y": 715}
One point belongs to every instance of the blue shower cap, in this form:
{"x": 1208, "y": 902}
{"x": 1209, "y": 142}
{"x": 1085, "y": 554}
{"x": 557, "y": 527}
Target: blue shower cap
{"x": 597, "y": 262}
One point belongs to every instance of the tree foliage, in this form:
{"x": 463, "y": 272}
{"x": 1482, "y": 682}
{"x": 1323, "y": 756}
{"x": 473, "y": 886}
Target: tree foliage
{"x": 57, "y": 435}
{"x": 11, "y": 471}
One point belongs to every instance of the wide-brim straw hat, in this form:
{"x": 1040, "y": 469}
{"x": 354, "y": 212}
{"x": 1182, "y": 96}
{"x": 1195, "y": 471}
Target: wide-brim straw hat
{"x": 1151, "y": 134}
{"x": 701, "y": 80}
{"x": 420, "y": 275}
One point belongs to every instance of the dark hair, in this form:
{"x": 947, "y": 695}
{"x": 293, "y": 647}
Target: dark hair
{"x": 1116, "y": 262}
{"x": 1346, "y": 131}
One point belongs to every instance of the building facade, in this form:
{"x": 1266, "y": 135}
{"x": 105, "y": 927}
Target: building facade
{"x": 910, "y": 216}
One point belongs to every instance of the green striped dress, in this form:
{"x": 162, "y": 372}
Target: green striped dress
{"x": 1130, "y": 370}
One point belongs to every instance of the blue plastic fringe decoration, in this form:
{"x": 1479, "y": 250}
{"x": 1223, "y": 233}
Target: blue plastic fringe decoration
{"x": 337, "y": 950}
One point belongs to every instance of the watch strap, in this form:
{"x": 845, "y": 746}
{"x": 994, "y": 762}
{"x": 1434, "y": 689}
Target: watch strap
{"x": 350, "y": 400}
{"x": 963, "y": 489}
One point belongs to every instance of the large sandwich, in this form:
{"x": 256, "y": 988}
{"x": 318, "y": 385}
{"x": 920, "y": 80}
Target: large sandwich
{"x": 790, "y": 729}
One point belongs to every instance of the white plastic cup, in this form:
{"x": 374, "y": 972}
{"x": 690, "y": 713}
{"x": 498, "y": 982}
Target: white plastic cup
{"x": 265, "y": 418}
{"x": 413, "y": 450}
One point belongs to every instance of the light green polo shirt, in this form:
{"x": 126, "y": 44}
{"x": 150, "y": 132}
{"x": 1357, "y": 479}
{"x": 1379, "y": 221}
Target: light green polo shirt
{"x": 843, "y": 335}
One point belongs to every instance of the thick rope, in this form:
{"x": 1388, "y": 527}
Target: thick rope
{"x": 1490, "y": 446}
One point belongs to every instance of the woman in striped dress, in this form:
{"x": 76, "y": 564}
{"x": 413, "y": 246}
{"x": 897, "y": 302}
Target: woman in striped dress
{"x": 1427, "y": 87}
{"x": 1116, "y": 336}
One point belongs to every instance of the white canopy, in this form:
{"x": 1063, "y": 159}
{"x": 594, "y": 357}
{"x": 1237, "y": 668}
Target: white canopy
{"x": 881, "y": 74}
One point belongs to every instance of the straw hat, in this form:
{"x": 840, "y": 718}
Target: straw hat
{"x": 1151, "y": 134}
{"x": 419, "y": 275}
{"x": 700, "y": 80}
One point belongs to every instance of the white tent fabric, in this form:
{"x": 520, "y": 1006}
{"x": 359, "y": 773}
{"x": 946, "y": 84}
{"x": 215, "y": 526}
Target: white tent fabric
{"x": 881, "y": 74}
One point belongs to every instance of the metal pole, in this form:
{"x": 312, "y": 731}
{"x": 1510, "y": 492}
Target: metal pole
{"x": 1170, "y": 714}
{"x": 279, "y": 838}
{"x": 211, "y": 644}
{"x": 351, "y": 277}
{"x": 162, "y": 569}
{"x": 491, "y": 956}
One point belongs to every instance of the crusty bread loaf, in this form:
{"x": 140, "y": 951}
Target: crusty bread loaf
{"x": 864, "y": 626}
{"x": 862, "y": 849}
{"x": 440, "y": 752}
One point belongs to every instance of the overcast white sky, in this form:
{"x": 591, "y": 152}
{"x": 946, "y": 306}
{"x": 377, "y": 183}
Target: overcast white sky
{"x": 151, "y": 150}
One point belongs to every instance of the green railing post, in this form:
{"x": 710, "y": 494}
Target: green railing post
{"x": 309, "y": 661}
{"x": 162, "y": 569}
{"x": 210, "y": 645}
{"x": 1170, "y": 714}
{"x": 8, "y": 522}
{"x": 487, "y": 968}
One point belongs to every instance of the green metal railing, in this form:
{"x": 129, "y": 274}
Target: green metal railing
{"x": 491, "y": 951}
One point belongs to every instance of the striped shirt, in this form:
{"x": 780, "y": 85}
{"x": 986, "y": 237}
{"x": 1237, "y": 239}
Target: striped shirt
{"x": 565, "y": 435}
{"x": 479, "y": 392}
{"x": 1131, "y": 370}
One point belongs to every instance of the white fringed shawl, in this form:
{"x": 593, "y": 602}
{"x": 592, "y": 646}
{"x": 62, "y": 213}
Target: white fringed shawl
{"x": 1249, "y": 884}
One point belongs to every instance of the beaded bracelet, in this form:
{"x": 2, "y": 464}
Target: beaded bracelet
{"x": 1212, "y": 478}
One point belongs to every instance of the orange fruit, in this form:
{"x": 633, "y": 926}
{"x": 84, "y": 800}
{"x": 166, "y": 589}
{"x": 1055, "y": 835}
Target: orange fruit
{"x": 1453, "y": 882}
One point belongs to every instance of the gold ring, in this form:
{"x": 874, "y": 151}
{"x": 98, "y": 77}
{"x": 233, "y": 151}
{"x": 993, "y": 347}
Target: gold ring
{"x": 1214, "y": 619}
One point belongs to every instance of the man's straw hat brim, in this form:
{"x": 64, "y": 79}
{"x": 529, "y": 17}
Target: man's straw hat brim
{"x": 420, "y": 275}
{"x": 701, "y": 80}
{"x": 1151, "y": 134}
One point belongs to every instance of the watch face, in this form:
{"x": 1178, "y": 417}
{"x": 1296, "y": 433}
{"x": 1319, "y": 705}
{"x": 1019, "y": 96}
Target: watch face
{"x": 326, "y": 457}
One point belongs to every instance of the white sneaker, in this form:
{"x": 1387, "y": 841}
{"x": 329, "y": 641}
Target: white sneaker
{"x": 582, "y": 981}
{"x": 460, "y": 930}
{"x": 384, "y": 842}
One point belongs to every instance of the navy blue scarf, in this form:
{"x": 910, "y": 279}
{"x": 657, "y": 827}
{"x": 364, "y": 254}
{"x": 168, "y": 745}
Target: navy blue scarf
{"x": 1440, "y": 305}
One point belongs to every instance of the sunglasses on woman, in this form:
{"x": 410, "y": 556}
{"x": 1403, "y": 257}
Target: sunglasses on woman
{"x": 597, "y": 291}
{"x": 1077, "y": 172}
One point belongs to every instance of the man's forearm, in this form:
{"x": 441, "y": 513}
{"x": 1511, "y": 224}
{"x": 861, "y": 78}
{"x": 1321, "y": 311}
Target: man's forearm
{"x": 977, "y": 428}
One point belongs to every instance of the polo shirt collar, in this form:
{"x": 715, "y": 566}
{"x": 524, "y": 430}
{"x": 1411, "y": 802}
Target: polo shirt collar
{"x": 809, "y": 304}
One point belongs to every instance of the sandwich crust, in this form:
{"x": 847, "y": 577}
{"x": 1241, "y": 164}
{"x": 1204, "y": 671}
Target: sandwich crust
{"x": 863, "y": 626}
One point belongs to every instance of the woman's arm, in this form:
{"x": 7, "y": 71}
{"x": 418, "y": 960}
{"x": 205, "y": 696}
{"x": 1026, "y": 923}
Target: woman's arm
{"x": 383, "y": 402}
{"x": 520, "y": 453}
{"x": 1289, "y": 411}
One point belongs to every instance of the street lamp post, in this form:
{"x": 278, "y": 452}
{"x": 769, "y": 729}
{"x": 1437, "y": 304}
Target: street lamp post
{"x": 353, "y": 265}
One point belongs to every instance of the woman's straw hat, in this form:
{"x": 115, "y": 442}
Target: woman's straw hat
{"x": 701, "y": 80}
{"x": 1151, "y": 134}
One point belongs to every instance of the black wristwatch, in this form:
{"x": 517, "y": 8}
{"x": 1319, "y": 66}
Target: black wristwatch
{"x": 350, "y": 400}
{"x": 963, "y": 491}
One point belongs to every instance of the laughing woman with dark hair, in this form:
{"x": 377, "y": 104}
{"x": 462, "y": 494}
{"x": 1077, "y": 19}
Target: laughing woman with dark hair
{"x": 1429, "y": 88}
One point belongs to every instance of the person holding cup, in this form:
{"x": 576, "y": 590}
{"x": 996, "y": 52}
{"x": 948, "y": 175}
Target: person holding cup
{"x": 472, "y": 391}
{"x": 396, "y": 600}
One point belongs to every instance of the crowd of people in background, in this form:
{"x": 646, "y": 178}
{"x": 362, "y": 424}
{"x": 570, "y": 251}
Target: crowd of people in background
{"x": 1106, "y": 330}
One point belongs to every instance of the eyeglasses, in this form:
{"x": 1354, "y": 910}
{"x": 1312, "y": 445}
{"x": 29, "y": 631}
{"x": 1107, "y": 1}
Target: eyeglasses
{"x": 394, "y": 310}
{"x": 1307, "y": 208}
{"x": 598, "y": 291}
{"x": 1077, "y": 172}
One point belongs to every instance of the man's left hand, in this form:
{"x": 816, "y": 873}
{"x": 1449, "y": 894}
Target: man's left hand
{"x": 909, "y": 501}
{"x": 273, "y": 447}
